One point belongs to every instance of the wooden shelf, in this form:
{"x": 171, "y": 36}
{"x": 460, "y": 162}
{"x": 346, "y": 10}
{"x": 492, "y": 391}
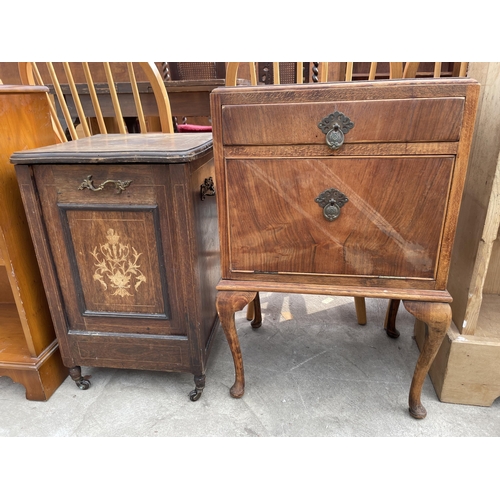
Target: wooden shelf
{"x": 13, "y": 348}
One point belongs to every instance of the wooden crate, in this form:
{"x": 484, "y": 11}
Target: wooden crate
{"x": 467, "y": 367}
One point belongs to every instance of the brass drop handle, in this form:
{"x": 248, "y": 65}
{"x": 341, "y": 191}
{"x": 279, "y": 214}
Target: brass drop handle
{"x": 88, "y": 183}
{"x": 335, "y": 126}
{"x": 207, "y": 188}
{"x": 331, "y": 201}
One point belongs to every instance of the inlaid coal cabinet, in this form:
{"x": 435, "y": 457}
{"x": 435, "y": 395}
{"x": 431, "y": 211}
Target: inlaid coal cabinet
{"x": 348, "y": 189}
{"x": 125, "y": 233}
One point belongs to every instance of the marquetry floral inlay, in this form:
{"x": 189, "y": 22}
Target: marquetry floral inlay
{"x": 117, "y": 264}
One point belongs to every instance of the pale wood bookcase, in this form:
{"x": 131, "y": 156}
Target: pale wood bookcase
{"x": 467, "y": 367}
{"x": 29, "y": 352}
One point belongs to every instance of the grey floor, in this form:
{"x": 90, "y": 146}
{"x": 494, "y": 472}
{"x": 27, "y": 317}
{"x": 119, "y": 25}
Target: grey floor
{"x": 311, "y": 371}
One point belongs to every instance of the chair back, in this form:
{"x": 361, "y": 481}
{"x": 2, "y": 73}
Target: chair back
{"x": 77, "y": 92}
{"x": 276, "y": 72}
{"x": 395, "y": 70}
{"x": 318, "y": 72}
{"x": 193, "y": 70}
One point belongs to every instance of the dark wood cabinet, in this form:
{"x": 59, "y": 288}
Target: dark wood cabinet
{"x": 344, "y": 189}
{"x": 125, "y": 231}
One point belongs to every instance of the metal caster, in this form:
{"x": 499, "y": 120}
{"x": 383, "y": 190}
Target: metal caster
{"x": 199, "y": 381}
{"x": 195, "y": 394}
{"x": 83, "y": 384}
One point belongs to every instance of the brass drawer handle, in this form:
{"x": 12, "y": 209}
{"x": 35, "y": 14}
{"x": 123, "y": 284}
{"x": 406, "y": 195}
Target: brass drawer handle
{"x": 335, "y": 126}
{"x": 331, "y": 201}
{"x": 88, "y": 183}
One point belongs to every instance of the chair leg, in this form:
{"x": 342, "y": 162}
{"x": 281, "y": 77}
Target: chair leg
{"x": 360, "y": 305}
{"x": 250, "y": 311}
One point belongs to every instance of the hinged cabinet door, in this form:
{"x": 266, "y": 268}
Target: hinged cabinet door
{"x": 350, "y": 216}
{"x": 113, "y": 250}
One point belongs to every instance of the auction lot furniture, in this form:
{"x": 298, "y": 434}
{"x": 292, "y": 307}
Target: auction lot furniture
{"x": 125, "y": 231}
{"x": 467, "y": 367}
{"x": 346, "y": 189}
{"x": 29, "y": 351}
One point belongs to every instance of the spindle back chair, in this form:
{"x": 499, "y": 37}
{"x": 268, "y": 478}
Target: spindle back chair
{"x": 63, "y": 75}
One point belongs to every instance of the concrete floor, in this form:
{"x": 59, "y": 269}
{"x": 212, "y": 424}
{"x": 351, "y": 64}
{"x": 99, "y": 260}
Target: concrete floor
{"x": 311, "y": 371}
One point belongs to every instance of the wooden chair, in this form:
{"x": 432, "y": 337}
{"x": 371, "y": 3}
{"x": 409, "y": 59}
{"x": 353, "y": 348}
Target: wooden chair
{"x": 194, "y": 72}
{"x": 376, "y": 71}
{"x": 77, "y": 97}
{"x": 278, "y": 73}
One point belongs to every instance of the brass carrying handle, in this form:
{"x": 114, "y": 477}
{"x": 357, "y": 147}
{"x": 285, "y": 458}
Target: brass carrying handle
{"x": 207, "y": 188}
{"x": 331, "y": 201}
{"x": 335, "y": 126}
{"x": 88, "y": 183}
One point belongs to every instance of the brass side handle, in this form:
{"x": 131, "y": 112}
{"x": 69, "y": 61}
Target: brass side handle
{"x": 207, "y": 188}
{"x": 331, "y": 201}
{"x": 335, "y": 126}
{"x": 88, "y": 183}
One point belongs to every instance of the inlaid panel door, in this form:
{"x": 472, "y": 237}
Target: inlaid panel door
{"x": 113, "y": 253}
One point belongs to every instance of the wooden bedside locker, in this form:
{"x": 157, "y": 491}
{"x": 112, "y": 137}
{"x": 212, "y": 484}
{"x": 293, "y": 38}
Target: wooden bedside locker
{"x": 342, "y": 189}
{"x": 125, "y": 232}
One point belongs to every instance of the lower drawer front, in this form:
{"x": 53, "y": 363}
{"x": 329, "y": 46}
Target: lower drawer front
{"x": 391, "y": 224}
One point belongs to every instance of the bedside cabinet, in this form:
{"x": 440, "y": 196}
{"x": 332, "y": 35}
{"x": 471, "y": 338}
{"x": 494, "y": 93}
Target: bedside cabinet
{"x": 342, "y": 189}
{"x": 125, "y": 232}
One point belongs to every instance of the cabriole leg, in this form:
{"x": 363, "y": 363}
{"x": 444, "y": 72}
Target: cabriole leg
{"x": 437, "y": 317}
{"x": 254, "y": 313}
{"x": 228, "y": 302}
{"x": 257, "y": 314}
{"x": 390, "y": 318}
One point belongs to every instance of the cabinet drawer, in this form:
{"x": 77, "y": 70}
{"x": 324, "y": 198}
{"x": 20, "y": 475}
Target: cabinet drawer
{"x": 391, "y": 120}
{"x": 391, "y": 225}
